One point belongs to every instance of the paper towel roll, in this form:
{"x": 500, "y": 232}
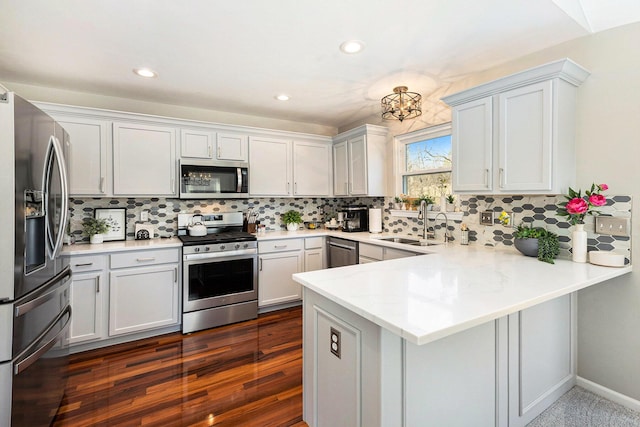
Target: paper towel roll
{"x": 375, "y": 220}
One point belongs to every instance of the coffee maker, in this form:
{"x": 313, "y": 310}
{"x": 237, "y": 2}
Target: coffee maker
{"x": 355, "y": 218}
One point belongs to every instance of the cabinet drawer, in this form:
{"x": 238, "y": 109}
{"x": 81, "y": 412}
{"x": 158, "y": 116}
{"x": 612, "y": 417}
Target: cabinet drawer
{"x": 87, "y": 263}
{"x": 313, "y": 242}
{"x": 279, "y": 245}
{"x": 371, "y": 251}
{"x": 139, "y": 258}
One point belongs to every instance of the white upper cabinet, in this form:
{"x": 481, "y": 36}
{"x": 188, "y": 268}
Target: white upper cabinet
{"x": 359, "y": 162}
{"x": 231, "y": 146}
{"x": 144, "y": 161}
{"x": 282, "y": 167}
{"x": 311, "y": 169}
{"x": 270, "y": 163}
{"x": 517, "y": 134}
{"x": 89, "y": 165}
{"x": 196, "y": 144}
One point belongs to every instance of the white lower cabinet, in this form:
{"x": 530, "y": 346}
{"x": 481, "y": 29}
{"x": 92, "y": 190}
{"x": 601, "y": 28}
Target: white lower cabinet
{"x": 277, "y": 261}
{"x": 500, "y": 373}
{"x": 142, "y": 298}
{"x": 123, "y": 296}
{"x": 88, "y": 289}
{"x": 372, "y": 253}
{"x": 314, "y": 254}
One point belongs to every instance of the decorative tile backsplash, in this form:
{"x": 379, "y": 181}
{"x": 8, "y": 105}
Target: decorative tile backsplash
{"x": 538, "y": 211}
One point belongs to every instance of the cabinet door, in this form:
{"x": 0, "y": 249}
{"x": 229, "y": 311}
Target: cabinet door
{"x": 541, "y": 357}
{"x": 87, "y": 290}
{"x": 87, "y": 156}
{"x": 231, "y": 147}
{"x": 313, "y": 259}
{"x": 358, "y": 165}
{"x": 196, "y": 144}
{"x": 525, "y": 138}
{"x": 275, "y": 284}
{"x": 270, "y": 161}
{"x": 472, "y": 146}
{"x": 340, "y": 170}
{"x": 391, "y": 253}
{"x": 143, "y": 160}
{"x": 311, "y": 174}
{"x": 143, "y": 298}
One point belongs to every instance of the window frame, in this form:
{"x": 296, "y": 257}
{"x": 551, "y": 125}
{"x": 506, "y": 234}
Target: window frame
{"x": 400, "y": 142}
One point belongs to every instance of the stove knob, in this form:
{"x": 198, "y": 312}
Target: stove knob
{"x": 207, "y": 248}
{"x": 222, "y": 247}
{"x": 237, "y": 245}
{"x": 196, "y": 249}
{"x": 246, "y": 245}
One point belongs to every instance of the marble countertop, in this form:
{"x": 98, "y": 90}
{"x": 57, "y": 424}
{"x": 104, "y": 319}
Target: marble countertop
{"x": 121, "y": 245}
{"x": 428, "y": 297}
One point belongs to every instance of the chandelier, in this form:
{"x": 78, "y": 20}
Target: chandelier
{"x": 401, "y": 104}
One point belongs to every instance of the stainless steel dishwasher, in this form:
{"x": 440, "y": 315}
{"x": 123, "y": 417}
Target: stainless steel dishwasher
{"x": 341, "y": 252}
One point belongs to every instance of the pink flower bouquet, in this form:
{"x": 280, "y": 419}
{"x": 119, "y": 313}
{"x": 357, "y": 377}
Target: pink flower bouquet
{"x": 577, "y": 206}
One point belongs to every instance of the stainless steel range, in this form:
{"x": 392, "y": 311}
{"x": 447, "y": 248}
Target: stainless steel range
{"x": 220, "y": 276}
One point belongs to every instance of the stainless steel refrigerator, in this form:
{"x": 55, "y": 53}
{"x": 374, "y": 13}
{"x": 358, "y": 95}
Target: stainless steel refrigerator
{"x": 34, "y": 284}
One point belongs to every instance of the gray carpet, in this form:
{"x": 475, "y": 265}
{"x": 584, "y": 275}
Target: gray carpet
{"x": 581, "y": 408}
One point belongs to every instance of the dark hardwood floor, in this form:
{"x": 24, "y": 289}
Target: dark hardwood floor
{"x": 246, "y": 374}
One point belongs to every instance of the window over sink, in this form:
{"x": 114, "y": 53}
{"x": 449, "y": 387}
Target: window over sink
{"x": 424, "y": 162}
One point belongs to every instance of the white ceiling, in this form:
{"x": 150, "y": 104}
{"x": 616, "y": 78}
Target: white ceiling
{"x": 236, "y": 56}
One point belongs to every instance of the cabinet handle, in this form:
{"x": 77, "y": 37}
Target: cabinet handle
{"x": 85, "y": 264}
{"x": 279, "y": 246}
{"x": 145, "y": 259}
{"x": 209, "y": 150}
{"x": 486, "y": 178}
{"x": 219, "y": 152}
{"x": 295, "y": 188}
{"x": 98, "y": 285}
{"x": 175, "y": 275}
{"x": 288, "y": 188}
{"x": 102, "y": 184}
{"x": 501, "y": 177}
{"x": 260, "y": 264}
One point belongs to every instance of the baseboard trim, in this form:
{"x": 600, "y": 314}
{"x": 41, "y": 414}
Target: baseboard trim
{"x": 607, "y": 393}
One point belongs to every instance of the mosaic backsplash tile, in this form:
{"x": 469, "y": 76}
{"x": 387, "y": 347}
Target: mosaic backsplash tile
{"x": 538, "y": 211}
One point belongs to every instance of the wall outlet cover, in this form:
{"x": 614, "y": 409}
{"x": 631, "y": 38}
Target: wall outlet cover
{"x": 486, "y": 218}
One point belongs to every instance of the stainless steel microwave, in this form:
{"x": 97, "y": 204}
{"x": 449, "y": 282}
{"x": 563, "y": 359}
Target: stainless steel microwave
{"x": 214, "y": 180}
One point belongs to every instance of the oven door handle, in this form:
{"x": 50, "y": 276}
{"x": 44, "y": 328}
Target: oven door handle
{"x": 214, "y": 255}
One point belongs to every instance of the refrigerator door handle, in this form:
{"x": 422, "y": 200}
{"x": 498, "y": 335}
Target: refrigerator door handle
{"x": 47, "y": 292}
{"x": 30, "y": 355}
{"x": 55, "y": 155}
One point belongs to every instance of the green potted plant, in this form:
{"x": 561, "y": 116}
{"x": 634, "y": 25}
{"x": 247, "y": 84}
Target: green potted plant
{"x": 538, "y": 242}
{"x": 450, "y": 201}
{"x": 292, "y": 220}
{"x": 95, "y": 228}
{"x": 397, "y": 202}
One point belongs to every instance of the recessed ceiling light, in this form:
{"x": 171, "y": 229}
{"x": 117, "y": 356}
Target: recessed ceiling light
{"x": 282, "y": 97}
{"x": 145, "y": 72}
{"x": 352, "y": 46}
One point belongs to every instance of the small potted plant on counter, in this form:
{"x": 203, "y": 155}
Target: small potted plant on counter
{"x": 538, "y": 242}
{"x": 95, "y": 228}
{"x": 292, "y": 220}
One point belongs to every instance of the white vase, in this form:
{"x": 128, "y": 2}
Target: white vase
{"x": 579, "y": 244}
{"x": 292, "y": 226}
{"x": 96, "y": 238}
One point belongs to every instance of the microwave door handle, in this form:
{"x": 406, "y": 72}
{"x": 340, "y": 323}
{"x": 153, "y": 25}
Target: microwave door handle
{"x": 239, "y": 175}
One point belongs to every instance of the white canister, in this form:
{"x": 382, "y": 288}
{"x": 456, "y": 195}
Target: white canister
{"x": 375, "y": 220}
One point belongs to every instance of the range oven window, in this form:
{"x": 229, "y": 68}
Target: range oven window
{"x": 220, "y": 278}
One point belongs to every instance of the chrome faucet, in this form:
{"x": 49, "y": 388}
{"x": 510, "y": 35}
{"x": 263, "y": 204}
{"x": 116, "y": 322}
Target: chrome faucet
{"x": 447, "y": 235}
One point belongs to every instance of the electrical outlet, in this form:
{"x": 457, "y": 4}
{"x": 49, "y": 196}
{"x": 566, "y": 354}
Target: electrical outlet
{"x": 486, "y": 218}
{"x": 335, "y": 342}
{"x": 144, "y": 216}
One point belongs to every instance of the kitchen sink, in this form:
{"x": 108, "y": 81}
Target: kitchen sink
{"x": 408, "y": 241}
